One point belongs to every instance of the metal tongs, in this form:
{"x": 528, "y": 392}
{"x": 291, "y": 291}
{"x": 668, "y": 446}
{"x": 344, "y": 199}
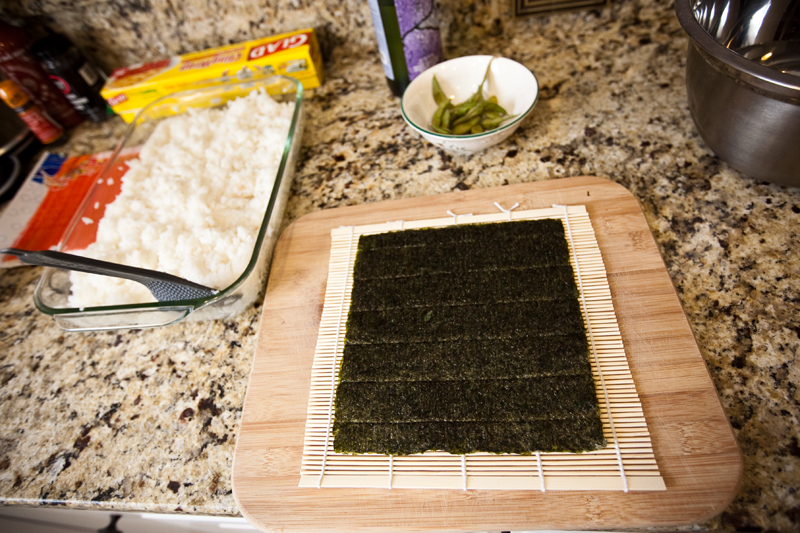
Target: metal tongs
{"x": 165, "y": 287}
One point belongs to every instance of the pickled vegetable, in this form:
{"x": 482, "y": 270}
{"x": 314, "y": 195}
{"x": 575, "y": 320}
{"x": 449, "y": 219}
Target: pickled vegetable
{"x": 475, "y": 115}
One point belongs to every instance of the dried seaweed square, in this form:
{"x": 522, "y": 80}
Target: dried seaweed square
{"x": 466, "y": 339}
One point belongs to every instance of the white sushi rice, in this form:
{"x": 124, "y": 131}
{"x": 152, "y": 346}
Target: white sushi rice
{"x": 193, "y": 202}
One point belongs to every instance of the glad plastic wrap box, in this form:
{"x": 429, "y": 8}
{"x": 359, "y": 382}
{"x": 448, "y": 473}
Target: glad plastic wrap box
{"x": 294, "y": 54}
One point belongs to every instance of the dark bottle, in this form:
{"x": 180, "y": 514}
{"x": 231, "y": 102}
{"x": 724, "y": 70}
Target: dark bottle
{"x": 18, "y": 64}
{"x": 408, "y": 39}
{"x": 77, "y": 78}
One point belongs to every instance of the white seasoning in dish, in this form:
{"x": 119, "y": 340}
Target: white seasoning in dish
{"x": 193, "y": 202}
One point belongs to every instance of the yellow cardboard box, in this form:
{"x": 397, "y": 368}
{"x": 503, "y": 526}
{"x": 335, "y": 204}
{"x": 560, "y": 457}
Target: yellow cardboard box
{"x": 294, "y": 54}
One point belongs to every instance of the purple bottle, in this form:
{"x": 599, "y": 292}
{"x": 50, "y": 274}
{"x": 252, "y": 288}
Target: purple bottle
{"x": 408, "y": 39}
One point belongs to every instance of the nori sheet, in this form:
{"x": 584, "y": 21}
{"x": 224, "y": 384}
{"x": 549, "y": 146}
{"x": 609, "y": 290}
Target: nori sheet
{"x": 465, "y": 339}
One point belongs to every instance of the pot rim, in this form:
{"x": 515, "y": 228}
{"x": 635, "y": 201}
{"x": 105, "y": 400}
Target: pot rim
{"x": 14, "y": 142}
{"x": 765, "y": 78}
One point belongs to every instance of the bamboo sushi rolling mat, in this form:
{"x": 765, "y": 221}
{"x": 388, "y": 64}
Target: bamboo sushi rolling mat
{"x": 690, "y": 448}
{"x": 626, "y": 463}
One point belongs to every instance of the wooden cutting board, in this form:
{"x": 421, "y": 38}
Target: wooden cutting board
{"x": 692, "y": 439}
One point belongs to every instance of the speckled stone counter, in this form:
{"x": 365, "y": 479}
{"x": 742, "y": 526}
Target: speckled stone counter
{"x": 147, "y": 420}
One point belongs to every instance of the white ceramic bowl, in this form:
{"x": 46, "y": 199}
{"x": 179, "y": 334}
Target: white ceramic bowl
{"x": 515, "y": 86}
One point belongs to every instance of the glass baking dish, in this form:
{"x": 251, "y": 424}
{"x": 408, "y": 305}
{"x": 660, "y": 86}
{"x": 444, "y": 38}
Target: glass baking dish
{"x": 52, "y": 292}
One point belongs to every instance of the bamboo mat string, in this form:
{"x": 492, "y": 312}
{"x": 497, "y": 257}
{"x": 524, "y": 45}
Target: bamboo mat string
{"x": 516, "y": 205}
{"x": 541, "y": 474}
{"x": 455, "y": 217}
{"x": 391, "y": 470}
{"x": 464, "y": 470}
{"x": 333, "y": 365}
{"x": 594, "y": 350}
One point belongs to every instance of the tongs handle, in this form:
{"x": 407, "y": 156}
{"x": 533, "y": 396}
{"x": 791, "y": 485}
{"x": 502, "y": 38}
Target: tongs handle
{"x": 165, "y": 287}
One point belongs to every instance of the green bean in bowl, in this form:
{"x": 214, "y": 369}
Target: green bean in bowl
{"x": 470, "y": 103}
{"x": 475, "y": 115}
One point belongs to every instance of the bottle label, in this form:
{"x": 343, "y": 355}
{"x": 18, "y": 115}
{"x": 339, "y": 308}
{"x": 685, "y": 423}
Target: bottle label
{"x": 383, "y": 46}
{"x": 61, "y": 83}
{"x": 419, "y": 29}
{"x": 81, "y": 103}
{"x": 41, "y": 126}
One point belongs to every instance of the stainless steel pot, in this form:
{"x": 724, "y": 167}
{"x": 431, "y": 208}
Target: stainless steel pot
{"x": 743, "y": 82}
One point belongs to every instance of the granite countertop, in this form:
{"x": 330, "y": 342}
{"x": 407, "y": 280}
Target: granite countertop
{"x": 146, "y": 420}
